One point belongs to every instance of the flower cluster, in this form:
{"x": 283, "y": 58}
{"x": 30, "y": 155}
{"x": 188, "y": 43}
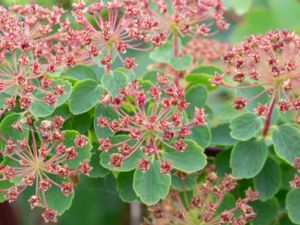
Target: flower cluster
{"x": 188, "y": 17}
{"x": 27, "y": 54}
{"x": 269, "y": 61}
{"x": 41, "y": 162}
{"x": 151, "y": 120}
{"x": 125, "y": 27}
{"x": 202, "y": 207}
{"x": 197, "y": 47}
{"x": 295, "y": 183}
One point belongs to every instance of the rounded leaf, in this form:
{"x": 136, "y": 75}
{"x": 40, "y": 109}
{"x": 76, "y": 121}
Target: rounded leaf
{"x": 192, "y": 159}
{"x": 287, "y": 141}
{"x": 84, "y": 96}
{"x": 245, "y": 126}
{"x": 267, "y": 182}
{"x": 196, "y": 96}
{"x": 151, "y": 186}
{"x": 248, "y": 158}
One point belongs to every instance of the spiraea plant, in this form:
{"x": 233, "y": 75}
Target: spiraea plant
{"x": 139, "y": 93}
{"x": 207, "y": 205}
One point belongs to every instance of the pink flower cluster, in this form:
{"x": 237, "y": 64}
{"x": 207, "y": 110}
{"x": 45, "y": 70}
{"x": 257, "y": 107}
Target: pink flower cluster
{"x": 154, "y": 120}
{"x": 269, "y": 61}
{"x": 40, "y": 162}
{"x": 202, "y": 207}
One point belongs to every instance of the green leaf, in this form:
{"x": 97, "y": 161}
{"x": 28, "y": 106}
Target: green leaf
{"x": 182, "y": 62}
{"x": 245, "y": 126}
{"x": 228, "y": 202}
{"x": 240, "y": 6}
{"x": 201, "y": 135}
{"x": 84, "y": 96}
{"x": 248, "y": 158}
{"x": 190, "y": 182}
{"x": 40, "y": 109}
{"x": 57, "y": 200}
{"x": 129, "y": 164}
{"x": 192, "y": 159}
{"x": 105, "y": 111}
{"x": 80, "y": 72}
{"x": 80, "y": 123}
{"x": 266, "y": 212}
{"x": 221, "y": 135}
{"x": 267, "y": 182}
{"x": 162, "y": 54}
{"x": 222, "y": 163}
{"x": 151, "y": 186}
{"x": 8, "y": 132}
{"x": 201, "y": 75}
{"x": 84, "y": 153}
{"x": 196, "y": 96}
{"x": 287, "y": 141}
{"x": 98, "y": 170}
{"x": 125, "y": 187}
{"x": 113, "y": 81}
{"x": 293, "y": 205}
{"x": 4, "y": 185}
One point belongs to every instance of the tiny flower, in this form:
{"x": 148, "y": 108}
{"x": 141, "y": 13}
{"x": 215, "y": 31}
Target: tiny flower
{"x": 165, "y": 167}
{"x": 50, "y": 215}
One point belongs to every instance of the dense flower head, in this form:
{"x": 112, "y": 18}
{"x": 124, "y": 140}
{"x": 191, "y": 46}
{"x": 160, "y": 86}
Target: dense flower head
{"x": 188, "y": 17}
{"x": 41, "y": 162}
{"x": 198, "y": 48}
{"x": 151, "y": 120}
{"x": 22, "y": 76}
{"x": 38, "y": 22}
{"x": 270, "y": 62}
{"x": 124, "y": 27}
{"x": 202, "y": 207}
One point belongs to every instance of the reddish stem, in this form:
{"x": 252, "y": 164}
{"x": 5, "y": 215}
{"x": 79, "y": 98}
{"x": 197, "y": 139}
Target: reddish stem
{"x": 269, "y": 117}
{"x": 176, "y": 53}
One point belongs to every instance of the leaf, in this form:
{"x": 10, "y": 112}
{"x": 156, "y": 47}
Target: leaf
{"x": 84, "y": 96}
{"x": 151, "y": 186}
{"x": 201, "y": 75}
{"x": 113, "y": 81}
{"x": 129, "y": 164}
{"x": 162, "y": 54}
{"x": 4, "y": 185}
{"x": 190, "y": 182}
{"x": 182, "y": 62}
{"x": 201, "y": 135}
{"x": 248, "y": 158}
{"x": 105, "y": 111}
{"x": 221, "y": 135}
{"x": 266, "y": 212}
{"x": 81, "y": 123}
{"x": 57, "y": 200}
{"x": 40, "y": 109}
{"x": 192, "y": 159}
{"x": 130, "y": 74}
{"x": 8, "y": 131}
{"x": 80, "y": 72}
{"x": 240, "y": 6}
{"x": 268, "y": 181}
{"x": 196, "y": 96}
{"x": 84, "y": 153}
{"x": 286, "y": 140}
{"x": 125, "y": 187}
{"x": 293, "y": 205}
{"x": 245, "y": 126}
{"x": 228, "y": 202}
{"x": 98, "y": 170}
{"x": 222, "y": 163}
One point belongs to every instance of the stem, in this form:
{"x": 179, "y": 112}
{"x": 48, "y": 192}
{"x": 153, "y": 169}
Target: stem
{"x": 269, "y": 117}
{"x": 176, "y": 53}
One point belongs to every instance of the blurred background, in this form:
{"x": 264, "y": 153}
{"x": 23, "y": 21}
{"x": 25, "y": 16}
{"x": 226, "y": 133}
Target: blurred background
{"x": 96, "y": 201}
